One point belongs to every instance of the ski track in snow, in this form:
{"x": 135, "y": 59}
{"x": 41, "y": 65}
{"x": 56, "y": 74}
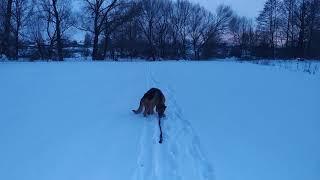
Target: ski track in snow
{"x": 179, "y": 157}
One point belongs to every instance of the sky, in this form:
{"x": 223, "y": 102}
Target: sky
{"x": 249, "y": 8}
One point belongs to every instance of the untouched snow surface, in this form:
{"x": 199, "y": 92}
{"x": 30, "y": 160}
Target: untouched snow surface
{"x": 307, "y": 66}
{"x": 225, "y": 121}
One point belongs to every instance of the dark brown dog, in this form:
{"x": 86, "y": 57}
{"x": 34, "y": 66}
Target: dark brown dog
{"x": 153, "y": 98}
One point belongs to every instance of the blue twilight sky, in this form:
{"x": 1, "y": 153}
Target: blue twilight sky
{"x": 249, "y": 8}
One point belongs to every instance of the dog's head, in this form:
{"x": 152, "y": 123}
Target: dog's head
{"x": 160, "y": 109}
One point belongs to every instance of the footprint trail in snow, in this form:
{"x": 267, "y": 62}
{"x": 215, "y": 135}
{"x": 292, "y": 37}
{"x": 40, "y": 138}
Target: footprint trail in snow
{"x": 179, "y": 157}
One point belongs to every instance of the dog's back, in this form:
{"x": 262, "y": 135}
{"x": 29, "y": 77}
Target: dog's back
{"x": 152, "y": 98}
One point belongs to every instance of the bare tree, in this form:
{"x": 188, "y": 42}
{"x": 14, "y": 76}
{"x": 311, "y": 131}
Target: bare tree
{"x": 313, "y": 26}
{"x": 58, "y": 19}
{"x": 241, "y": 29}
{"x": 124, "y": 12}
{"x": 22, "y": 11}
{"x": 268, "y": 25}
{"x": 2, "y": 14}
{"x": 307, "y": 16}
{"x": 301, "y": 14}
{"x": 162, "y": 27}
{"x": 180, "y": 21}
{"x": 197, "y": 26}
{"x": 149, "y": 17}
{"x": 288, "y": 21}
{"x": 2, "y": 17}
{"x": 7, "y": 29}
{"x": 216, "y": 27}
{"x": 98, "y": 11}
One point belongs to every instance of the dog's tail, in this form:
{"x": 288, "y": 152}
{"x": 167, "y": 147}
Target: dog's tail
{"x": 139, "y": 110}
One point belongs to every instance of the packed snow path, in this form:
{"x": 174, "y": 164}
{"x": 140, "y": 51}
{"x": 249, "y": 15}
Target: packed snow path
{"x": 180, "y": 156}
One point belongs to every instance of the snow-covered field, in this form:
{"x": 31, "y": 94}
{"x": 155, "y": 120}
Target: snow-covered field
{"x": 225, "y": 121}
{"x": 306, "y": 66}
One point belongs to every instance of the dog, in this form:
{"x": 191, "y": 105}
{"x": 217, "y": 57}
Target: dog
{"x": 153, "y": 98}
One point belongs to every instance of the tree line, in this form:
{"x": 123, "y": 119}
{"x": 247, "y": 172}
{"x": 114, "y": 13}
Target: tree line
{"x": 157, "y": 29}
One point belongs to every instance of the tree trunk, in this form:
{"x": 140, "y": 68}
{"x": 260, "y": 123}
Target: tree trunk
{"x": 58, "y": 30}
{"x": 7, "y": 25}
{"x": 302, "y": 30}
{"x": 17, "y": 42}
{"x": 288, "y": 28}
{"x": 311, "y": 28}
{"x": 95, "y": 47}
{"x": 106, "y": 42}
{"x": 59, "y": 43}
{"x": 95, "y": 39}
